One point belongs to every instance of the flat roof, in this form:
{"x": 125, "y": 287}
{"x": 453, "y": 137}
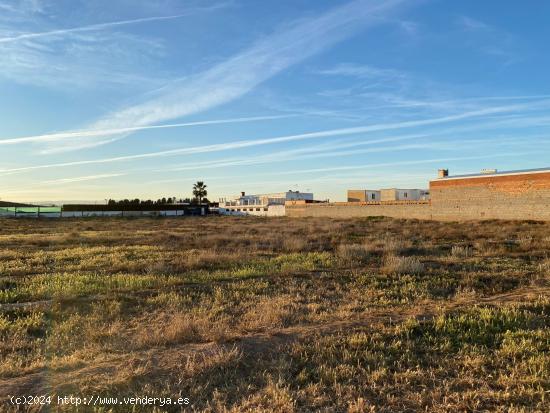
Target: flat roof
{"x": 498, "y": 173}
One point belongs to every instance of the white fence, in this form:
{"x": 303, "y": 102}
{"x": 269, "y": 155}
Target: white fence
{"x": 269, "y": 211}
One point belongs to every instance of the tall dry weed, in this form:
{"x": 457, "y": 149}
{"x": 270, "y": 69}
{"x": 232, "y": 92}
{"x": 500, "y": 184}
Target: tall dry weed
{"x": 354, "y": 253}
{"x": 461, "y": 251}
{"x": 402, "y": 265}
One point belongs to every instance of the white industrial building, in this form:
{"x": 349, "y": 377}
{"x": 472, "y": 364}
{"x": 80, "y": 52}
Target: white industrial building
{"x": 262, "y": 204}
{"x": 395, "y": 194}
{"x": 389, "y": 194}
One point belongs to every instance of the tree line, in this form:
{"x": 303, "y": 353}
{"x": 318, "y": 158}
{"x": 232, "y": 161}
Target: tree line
{"x": 199, "y": 198}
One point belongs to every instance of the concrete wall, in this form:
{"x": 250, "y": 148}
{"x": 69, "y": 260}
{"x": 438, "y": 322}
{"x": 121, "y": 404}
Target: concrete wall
{"x": 418, "y": 210}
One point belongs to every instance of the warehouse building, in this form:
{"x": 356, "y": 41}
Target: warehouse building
{"x": 396, "y": 194}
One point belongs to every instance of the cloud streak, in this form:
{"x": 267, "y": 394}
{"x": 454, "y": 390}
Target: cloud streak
{"x": 400, "y": 163}
{"x": 335, "y": 150}
{"x": 362, "y": 72}
{"x": 267, "y": 141}
{"x": 298, "y": 155}
{"x": 82, "y": 178}
{"x": 53, "y": 137}
{"x": 91, "y": 27}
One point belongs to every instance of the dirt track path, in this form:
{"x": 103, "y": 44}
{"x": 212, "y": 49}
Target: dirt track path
{"x": 163, "y": 360}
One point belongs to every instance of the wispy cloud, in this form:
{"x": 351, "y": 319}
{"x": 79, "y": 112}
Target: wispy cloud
{"x": 362, "y": 71}
{"x": 490, "y": 39}
{"x": 22, "y": 7}
{"x": 45, "y": 187}
{"x": 83, "y": 55}
{"x": 257, "y": 142}
{"x": 409, "y": 27}
{"x": 82, "y": 61}
{"x": 240, "y": 74}
{"x": 471, "y": 24}
{"x": 7, "y": 7}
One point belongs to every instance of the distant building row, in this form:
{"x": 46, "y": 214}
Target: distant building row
{"x": 489, "y": 194}
{"x": 391, "y": 194}
{"x": 261, "y": 205}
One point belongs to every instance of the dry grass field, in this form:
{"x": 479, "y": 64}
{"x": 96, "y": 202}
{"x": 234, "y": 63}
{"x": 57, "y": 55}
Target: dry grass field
{"x": 277, "y": 315}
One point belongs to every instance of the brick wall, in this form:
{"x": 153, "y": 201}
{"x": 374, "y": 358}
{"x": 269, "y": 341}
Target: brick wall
{"x": 521, "y": 196}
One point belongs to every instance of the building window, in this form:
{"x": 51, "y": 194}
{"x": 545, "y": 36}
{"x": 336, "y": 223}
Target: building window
{"x": 265, "y": 209}
{"x": 238, "y": 209}
{"x": 405, "y": 195}
{"x": 257, "y": 209}
{"x": 373, "y": 196}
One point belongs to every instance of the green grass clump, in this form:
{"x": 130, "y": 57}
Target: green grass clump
{"x": 469, "y": 356}
{"x": 66, "y": 285}
{"x": 286, "y": 264}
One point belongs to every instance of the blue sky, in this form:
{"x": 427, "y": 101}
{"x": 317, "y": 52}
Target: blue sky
{"x": 132, "y": 98}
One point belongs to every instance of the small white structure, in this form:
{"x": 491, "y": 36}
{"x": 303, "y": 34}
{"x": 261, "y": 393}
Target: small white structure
{"x": 261, "y": 205}
{"x": 395, "y": 194}
{"x": 372, "y": 195}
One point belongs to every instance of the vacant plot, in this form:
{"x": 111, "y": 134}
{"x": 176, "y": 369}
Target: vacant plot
{"x": 244, "y": 314}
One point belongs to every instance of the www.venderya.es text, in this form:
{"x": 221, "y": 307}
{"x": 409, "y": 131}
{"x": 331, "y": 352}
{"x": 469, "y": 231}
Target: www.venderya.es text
{"x": 95, "y": 400}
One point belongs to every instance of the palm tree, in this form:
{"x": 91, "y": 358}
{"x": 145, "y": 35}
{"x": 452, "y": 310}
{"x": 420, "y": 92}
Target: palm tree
{"x": 199, "y": 191}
